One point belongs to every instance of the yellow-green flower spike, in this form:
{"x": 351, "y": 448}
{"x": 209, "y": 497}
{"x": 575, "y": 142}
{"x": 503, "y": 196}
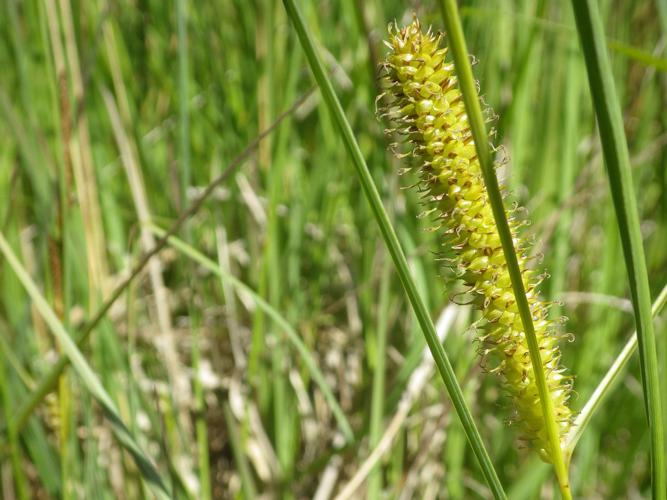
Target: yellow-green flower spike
{"x": 426, "y": 106}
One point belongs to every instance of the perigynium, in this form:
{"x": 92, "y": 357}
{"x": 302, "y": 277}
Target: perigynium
{"x": 425, "y": 105}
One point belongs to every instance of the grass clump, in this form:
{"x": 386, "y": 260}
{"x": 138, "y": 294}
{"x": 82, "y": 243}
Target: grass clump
{"x": 316, "y": 354}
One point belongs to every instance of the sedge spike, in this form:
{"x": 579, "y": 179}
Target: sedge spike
{"x": 426, "y": 107}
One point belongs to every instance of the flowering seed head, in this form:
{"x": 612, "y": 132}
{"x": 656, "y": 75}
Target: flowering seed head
{"x": 425, "y": 104}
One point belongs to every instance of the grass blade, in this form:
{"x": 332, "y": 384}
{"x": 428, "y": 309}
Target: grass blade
{"x": 247, "y": 485}
{"x": 617, "y": 160}
{"x": 468, "y": 88}
{"x": 609, "y": 380}
{"x": 391, "y": 240}
{"x": 378, "y": 393}
{"x": 87, "y": 376}
{"x": 20, "y": 480}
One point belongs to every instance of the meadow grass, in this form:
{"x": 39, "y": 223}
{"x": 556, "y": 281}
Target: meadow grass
{"x": 213, "y": 283}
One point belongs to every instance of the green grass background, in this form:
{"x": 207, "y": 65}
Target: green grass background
{"x": 227, "y": 405}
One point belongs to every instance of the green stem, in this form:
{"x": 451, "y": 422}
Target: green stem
{"x": 183, "y": 98}
{"x": 617, "y": 160}
{"x": 459, "y": 50}
{"x": 247, "y": 483}
{"x": 379, "y": 369}
{"x": 608, "y": 382}
{"x": 391, "y": 240}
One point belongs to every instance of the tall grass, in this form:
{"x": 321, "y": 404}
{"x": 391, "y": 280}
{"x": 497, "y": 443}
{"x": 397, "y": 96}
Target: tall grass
{"x": 277, "y": 346}
{"x": 394, "y": 247}
{"x": 617, "y": 161}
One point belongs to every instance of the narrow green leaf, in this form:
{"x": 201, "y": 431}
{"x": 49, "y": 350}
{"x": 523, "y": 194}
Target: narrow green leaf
{"x": 617, "y": 160}
{"x": 87, "y": 376}
{"x": 459, "y": 50}
{"x": 609, "y": 380}
{"x": 394, "y": 247}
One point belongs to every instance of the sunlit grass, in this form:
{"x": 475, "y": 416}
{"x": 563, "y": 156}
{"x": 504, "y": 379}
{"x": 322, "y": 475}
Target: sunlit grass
{"x": 272, "y": 345}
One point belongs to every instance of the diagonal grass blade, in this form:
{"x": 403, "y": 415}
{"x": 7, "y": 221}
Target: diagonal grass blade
{"x": 617, "y": 160}
{"x": 394, "y": 247}
{"x": 87, "y": 376}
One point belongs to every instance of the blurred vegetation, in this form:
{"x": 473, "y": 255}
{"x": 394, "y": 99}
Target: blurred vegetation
{"x": 119, "y": 114}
